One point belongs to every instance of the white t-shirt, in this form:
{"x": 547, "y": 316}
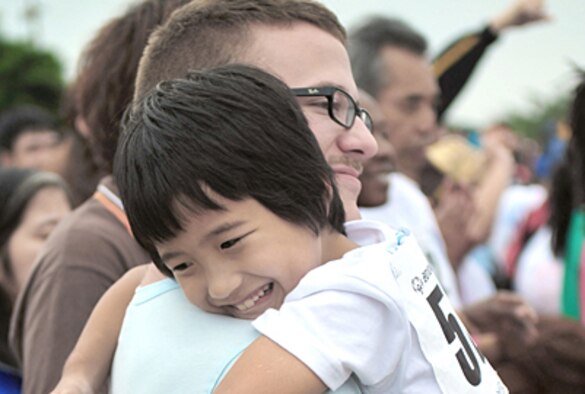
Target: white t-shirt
{"x": 380, "y": 314}
{"x": 514, "y": 204}
{"x": 408, "y": 207}
{"x": 539, "y": 275}
{"x": 475, "y": 283}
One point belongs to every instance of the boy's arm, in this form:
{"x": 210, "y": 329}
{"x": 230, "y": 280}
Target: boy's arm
{"x": 264, "y": 366}
{"x": 88, "y": 365}
{"x": 308, "y": 348}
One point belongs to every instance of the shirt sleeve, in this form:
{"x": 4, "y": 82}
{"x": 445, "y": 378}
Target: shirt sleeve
{"x": 455, "y": 64}
{"x": 337, "y": 333}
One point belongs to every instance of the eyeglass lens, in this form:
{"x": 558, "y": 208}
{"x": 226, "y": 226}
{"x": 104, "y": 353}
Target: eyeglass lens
{"x": 367, "y": 119}
{"x": 345, "y": 110}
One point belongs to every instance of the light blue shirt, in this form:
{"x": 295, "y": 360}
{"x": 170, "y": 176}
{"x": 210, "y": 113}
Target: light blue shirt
{"x": 167, "y": 345}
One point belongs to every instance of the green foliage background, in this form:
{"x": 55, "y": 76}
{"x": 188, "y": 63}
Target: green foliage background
{"x": 532, "y": 123}
{"x": 29, "y": 75}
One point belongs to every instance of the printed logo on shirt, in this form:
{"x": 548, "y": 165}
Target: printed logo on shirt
{"x": 418, "y": 282}
{"x": 392, "y": 248}
{"x": 399, "y": 239}
{"x": 457, "y": 362}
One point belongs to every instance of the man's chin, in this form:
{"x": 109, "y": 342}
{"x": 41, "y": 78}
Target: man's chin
{"x": 349, "y": 186}
{"x": 349, "y": 190}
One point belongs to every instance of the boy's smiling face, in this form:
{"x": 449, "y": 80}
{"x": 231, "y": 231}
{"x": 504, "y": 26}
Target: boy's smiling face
{"x": 242, "y": 260}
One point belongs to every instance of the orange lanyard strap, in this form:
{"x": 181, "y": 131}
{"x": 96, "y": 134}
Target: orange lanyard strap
{"x": 117, "y": 211}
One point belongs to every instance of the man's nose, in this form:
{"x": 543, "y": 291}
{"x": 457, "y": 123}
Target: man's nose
{"x": 359, "y": 141}
{"x": 427, "y": 125}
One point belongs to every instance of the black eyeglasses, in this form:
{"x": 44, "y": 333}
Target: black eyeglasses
{"x": 341, "y": 106}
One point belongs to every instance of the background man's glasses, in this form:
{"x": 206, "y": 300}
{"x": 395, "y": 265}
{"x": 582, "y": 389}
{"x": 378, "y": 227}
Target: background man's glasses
{"x": 341, "y": 106}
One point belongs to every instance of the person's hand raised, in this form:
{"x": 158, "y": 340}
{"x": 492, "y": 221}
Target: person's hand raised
{"x": 519, "y": 13}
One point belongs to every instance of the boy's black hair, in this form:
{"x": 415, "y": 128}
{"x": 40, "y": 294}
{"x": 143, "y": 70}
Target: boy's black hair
{"x": 234, "y": 129}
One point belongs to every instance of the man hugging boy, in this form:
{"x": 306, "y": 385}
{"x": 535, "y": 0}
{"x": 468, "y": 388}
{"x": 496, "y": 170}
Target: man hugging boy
{"x": 226, "y": 187}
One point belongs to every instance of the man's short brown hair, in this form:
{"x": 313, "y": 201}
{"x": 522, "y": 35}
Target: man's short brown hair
{"x": 208, "y": 33}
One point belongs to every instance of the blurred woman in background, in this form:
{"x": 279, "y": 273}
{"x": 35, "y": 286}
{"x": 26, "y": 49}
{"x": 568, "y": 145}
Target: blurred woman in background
{"x": 31, "y": 204}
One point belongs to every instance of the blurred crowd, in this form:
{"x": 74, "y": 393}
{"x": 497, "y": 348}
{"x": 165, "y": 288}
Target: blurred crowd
{"x": 498, "y": 215}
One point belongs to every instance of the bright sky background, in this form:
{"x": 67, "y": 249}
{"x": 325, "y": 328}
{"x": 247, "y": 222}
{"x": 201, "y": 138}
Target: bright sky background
{"x": 526, "y": 64}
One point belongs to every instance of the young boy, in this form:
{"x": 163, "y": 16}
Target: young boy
{"x": 226, "y": 186}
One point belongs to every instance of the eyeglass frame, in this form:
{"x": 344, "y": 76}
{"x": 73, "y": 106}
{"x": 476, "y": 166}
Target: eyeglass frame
{"x": 328, "y": 92}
